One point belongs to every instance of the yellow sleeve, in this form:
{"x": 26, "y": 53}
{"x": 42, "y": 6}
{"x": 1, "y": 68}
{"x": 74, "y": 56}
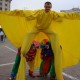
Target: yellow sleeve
{"x": 13, "y": 13}
{"x": 32, "y": 14}
{"x": 72, "y": 15}
{"x": 57, "y": 16}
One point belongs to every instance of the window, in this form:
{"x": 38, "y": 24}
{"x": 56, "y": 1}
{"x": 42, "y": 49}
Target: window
{"x": 6, "y": 9}
{"x": 6, "y": 0}
{"x": 0, "y": 8}
{"x": 0, "y": 3}
{"x": 5, "y": 4}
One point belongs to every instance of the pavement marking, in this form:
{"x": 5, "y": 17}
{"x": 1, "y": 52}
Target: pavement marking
{"x": 67, "y": 75}
{"x": 11, "y": 49}
{"x": 6, "y": 64}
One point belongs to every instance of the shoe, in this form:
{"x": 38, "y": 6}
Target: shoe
{"x": 31, "y": 74}
{"x": 53, "y": 78}
{"x": 39, "y": 75}
{"x": 11, "y": 78}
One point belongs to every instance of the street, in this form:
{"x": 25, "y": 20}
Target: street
{"x": 7, "y": 58}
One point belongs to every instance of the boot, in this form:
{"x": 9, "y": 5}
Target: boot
{"x": 39, "y": 75}
{"x": 11, "y": 78}
{"x": 53, "y": 78}
{"x": 31, "y": 74}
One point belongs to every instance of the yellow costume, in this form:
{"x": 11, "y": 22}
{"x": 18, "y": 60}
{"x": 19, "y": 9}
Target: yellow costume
{"x": 21, "y": 27}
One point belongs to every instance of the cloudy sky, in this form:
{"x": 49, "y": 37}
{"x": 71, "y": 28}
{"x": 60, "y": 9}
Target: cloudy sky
{"x": 38, "y": 4}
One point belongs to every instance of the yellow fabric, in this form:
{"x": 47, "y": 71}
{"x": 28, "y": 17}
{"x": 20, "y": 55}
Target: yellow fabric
{"x": 31, "y": 65}
{"x": 69, "y": 39}
{"x": 22, "y": 69}
{"x": 21, "y": 27}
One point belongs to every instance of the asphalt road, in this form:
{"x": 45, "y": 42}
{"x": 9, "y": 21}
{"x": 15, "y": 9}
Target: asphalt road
{"x": 7, "y": 57}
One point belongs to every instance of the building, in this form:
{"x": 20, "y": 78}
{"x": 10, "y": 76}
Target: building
{"x": 5, "y": 5}
{"x": 77, "y": 10}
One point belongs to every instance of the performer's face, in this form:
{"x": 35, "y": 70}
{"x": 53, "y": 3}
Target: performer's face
{"x": 33, "y": 47}
{"x": 47, "y": 46}
{"x": 47, "y": 7}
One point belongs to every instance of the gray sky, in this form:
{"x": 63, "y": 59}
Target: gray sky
{"x": 39, "y": 4}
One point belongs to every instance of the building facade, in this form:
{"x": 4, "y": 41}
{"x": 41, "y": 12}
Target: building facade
{"x": 5, "y": 5}
{"x": 77, "y": 10}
